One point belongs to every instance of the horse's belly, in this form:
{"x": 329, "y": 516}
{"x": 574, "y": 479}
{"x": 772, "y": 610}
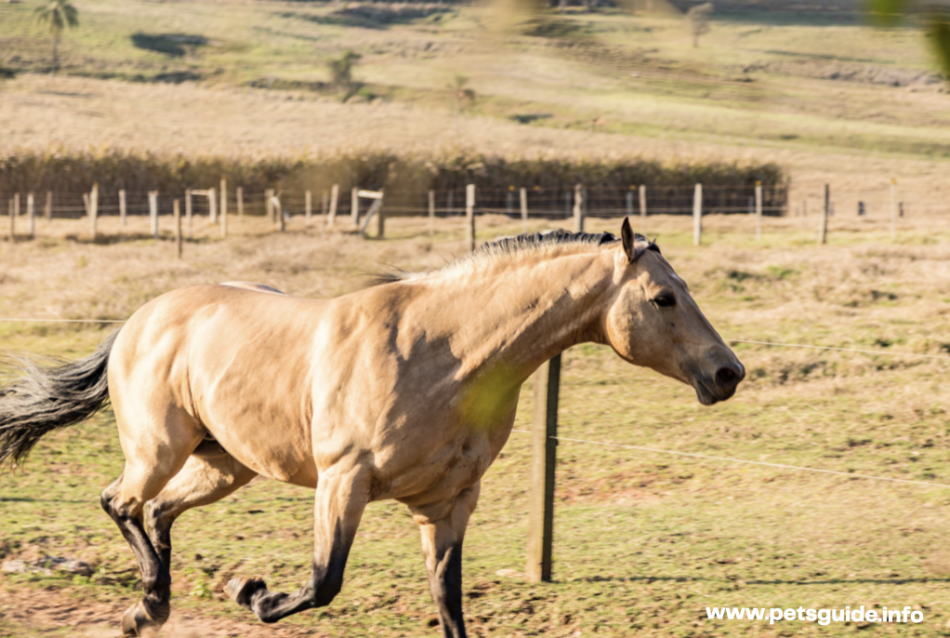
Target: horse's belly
{"x": 271, "y": 451}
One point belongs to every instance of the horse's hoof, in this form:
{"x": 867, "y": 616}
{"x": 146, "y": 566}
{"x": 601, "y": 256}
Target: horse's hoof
{"x": 242, "y": 590}
{"x": 136, "y": 621}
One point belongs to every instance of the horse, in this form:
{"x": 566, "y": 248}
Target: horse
{"x": 406, "y": 390}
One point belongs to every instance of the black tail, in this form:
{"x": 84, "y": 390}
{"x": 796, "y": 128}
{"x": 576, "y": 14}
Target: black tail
{"x": 50, "y": 397}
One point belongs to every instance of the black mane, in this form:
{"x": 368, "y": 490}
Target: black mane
{"x": 517, "y": 243}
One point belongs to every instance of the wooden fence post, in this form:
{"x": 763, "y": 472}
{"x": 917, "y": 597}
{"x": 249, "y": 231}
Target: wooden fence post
{"x": 758, "y": 210}
{"x": 12, "y": 221}
{"x": 355, "y": 207}
{"x": 224, "y": 212}
{"x": 698, "y": 215}
{"x": 893, "y": 209}
{"x": 334, "y": 198}
{"x": 48, "y": 210}
{"x": 31, "y": 215}
{"x": 823, "y": 222}
{"x": 578, "y": 208}
{"x": 188, "y": 213}
{"x": 470, "y": 215}
{"x": 431, "y": 212}
{"x": 523, "y": 192}
{"x": 375, "y": 209}
{"x": 381, "y": 216}
{"x": 177, "y": 211}
{"x": 153, "y": 212}
{"x": 16, "y": 211}
{"x": 268, "y": 206}
{"x": 307, "y": 207}
{"x": 630, "y": 201}
{"x": 224, "y": 202}
{"x": 94, "y": 209}
{"x": 543, "y": 459}
{"x": 122, "y": 208}
{"x": 239, "y": 193}
{"x": 278, "y": 211}
{"x": 212, "y": 205}
{"x": 324, "y": 203}
{"x": 643, "y": 205}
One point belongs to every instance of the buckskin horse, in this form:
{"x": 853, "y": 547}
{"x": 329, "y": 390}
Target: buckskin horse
{"x": 404, "y": 390}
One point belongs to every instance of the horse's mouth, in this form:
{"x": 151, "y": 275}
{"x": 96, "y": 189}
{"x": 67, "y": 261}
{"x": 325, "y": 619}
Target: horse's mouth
{"x": 708, "y": 392}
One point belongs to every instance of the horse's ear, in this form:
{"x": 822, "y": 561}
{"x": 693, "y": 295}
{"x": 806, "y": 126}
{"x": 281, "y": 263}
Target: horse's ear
{"x": 629, "y": 239}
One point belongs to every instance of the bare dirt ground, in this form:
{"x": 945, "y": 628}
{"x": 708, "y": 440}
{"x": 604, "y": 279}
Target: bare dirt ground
{"x": 57, "y": 609}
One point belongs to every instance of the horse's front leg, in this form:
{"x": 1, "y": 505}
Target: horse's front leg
{"x": 443, "y": 528}
{"x": 342, "y": 494}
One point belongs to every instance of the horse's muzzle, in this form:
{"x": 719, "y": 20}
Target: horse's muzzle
{"x": 720, "y": 386}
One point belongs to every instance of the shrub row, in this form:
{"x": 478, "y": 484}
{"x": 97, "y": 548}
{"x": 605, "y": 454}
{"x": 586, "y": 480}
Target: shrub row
{"x": 406, "y": 178}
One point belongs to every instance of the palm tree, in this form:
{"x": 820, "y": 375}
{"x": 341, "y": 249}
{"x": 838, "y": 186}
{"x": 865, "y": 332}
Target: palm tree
{"x": 58, "y": 15}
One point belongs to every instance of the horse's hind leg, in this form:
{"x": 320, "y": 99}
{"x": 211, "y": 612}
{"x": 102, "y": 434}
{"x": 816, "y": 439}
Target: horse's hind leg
{"x": 209, "y": 475}
{"x": 153, "y": 455}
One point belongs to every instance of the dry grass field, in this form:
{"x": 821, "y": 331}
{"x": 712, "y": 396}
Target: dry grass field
{"x": 821, "y": 93}
{"x": 644, "y": 542}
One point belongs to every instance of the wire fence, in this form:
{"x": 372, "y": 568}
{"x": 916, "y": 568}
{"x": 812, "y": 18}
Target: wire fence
{"x": 540, "y": 202}
{"x": 725, "y": 459}
{"x": 759, "y": 201}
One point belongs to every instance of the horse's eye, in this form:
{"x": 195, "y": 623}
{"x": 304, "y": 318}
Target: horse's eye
{"x": 665, "y": 300}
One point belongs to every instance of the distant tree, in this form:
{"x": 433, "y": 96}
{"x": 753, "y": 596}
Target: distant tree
{"x": 889, "y": 13}
{"x": 939, "y": 32}
{"x": 698, "y": 19}
{"x": 341, "y": 69}
{"x": 57, "y": 15}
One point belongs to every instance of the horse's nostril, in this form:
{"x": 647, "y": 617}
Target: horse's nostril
{"x": 727, "y": 377}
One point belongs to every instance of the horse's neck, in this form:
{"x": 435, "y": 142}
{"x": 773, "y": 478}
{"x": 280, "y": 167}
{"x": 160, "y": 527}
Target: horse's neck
{"x": 528, "y": 310}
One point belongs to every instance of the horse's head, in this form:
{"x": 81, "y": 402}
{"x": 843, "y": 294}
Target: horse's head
{"x": 653, "y": 321}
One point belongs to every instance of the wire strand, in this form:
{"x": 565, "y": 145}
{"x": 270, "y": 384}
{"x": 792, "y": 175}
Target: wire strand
{"x": 66, "y": 320}
{"x": 800, "y": 345}
{"x": 731, "y": 460}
